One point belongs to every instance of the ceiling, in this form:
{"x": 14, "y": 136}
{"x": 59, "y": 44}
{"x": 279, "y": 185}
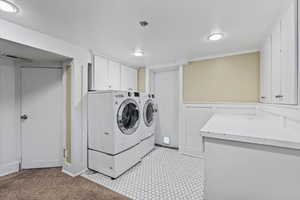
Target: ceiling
{"x": 177, "y": 30}
{"x": 27, "y": 53}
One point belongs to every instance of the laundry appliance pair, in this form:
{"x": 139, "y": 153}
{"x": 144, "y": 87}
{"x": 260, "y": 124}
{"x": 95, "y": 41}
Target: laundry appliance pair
{"x": 120, "y": 134}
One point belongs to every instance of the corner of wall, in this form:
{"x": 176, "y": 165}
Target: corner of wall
{"x": 9, "y": 168}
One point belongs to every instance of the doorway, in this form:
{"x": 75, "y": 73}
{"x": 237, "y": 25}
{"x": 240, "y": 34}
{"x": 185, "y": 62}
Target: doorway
{"x": 166, "y": 89}
{"x": 41, "y": 117}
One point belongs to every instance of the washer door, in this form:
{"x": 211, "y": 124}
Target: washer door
{"x": 128, "y": 116}
{"x": 148, "y": 113}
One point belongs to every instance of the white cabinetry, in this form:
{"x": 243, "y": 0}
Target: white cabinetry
{"x": 279, "y": 70}
{"x": 100, "y": 73}
{"x": 265, "y": 72}
{"x": 110, "y": 75}
{"x": 289, "y": 70}
{"x": 114, "y": 75}
{"x": 276, "y": 62}
{"x": 128, "y": 78}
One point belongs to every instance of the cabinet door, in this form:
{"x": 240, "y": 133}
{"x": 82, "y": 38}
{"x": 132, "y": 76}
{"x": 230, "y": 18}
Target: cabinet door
{"x": 114, "y": 77}
{"x": 100, "y": 73}
{"x": 129, "y": 78}
{"x": 265, "y": 72}
{"x": 276, "y": 62}
{"x": 132, "y": 74}
{"x": 289, "y": 70}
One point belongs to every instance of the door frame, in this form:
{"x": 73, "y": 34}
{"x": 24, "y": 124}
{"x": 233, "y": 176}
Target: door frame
{"x": 52, "y": 65}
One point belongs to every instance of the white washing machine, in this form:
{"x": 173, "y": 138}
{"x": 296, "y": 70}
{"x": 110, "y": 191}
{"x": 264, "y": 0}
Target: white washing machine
{"x": 113, "y": 131}
{"x": 149, "y": 112}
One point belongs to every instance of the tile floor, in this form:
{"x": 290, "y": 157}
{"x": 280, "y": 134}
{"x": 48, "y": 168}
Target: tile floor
{"x": 163, "y": 174}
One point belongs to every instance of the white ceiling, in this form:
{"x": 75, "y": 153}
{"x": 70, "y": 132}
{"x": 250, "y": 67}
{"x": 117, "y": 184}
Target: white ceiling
{"x": 177, "y": 28}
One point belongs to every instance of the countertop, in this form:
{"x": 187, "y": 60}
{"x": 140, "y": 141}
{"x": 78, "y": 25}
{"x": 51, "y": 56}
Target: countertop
{"x": 251, "y": 129}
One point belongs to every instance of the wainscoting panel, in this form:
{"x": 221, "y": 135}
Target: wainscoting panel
{"x": 196, "y": 115}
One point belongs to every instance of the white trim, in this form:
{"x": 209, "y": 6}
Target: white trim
{"x": 219, "y": 103}
{"x": 194, "y": 154}
{"x": 73, "y": 174}
{"x": 224, "y": 55}
{"x": 9, "y": 168}
{"x": 42, "y": 164}
{"x": 181, "y": 138}
{"x": 84, "y": 113}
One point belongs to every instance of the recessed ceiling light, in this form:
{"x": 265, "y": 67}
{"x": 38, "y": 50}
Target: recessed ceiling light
{"x": 8, "y": 6}
{"x": 216, "y": 36}
{"x": 144, "y": 23}
{"x": 138, "y": 52}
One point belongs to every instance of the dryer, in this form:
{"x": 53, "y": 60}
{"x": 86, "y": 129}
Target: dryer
{"x": 114, "y": 118}
{"x": 148, "y": 125}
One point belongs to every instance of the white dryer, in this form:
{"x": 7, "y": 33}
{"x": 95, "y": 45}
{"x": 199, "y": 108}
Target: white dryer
{"x": 148, "y": 125}
{"x": 113, "y": 131}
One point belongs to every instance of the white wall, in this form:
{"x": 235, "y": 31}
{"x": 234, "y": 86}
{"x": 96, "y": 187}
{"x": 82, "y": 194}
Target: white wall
{"x": 81, "y": 57}
{"x": 8, "y": 131}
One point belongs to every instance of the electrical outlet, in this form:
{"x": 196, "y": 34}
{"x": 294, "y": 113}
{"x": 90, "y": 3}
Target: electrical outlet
{"x": 166, "y": 140}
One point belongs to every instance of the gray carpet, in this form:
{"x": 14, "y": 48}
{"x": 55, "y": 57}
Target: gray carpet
{"x": 52, "y": 184}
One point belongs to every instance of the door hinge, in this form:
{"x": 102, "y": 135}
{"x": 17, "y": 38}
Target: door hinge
{"x": 65, "y": 153}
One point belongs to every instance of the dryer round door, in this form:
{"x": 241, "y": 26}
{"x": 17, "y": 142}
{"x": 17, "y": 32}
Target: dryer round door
{"x": 148, "y": 113}
{"x": 128, "y": 116}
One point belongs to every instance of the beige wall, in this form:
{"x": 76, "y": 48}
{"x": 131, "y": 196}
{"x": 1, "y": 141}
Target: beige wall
{"x": 226, "y": 79}
{"x": 141, "y": 79}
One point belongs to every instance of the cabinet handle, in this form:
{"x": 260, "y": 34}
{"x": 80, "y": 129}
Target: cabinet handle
{"x": 279, "y": 96}
{"x": 262, "y": 97}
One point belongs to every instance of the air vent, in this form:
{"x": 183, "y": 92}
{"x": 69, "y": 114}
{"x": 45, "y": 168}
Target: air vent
{"x": 13, "y": 57}
{"x": 144, "y": 23}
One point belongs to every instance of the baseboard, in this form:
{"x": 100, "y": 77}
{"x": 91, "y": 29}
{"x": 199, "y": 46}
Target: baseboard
{"x": 9, "y": 168}
{"x": 191, "y": 152}
{"x": 166, "y": 146}
{"x": 73, "y": 174}
{"x": 41, "y": 164}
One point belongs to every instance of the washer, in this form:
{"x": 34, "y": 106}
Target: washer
{"x": 114, "y": 118}
{"x": 149, "y": 109}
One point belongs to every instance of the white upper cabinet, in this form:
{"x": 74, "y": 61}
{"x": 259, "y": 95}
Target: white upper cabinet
{"x": 282, "y": 70}
{"x": 100, "y": 73}
{"x": 128, "y": 78}
{"x": 276, "y": 62}
{"x": 289, "y": 70}
{"x": 265, "y": 73}
{"x": 114, "y": 75}
{"x": 110, "y": 75}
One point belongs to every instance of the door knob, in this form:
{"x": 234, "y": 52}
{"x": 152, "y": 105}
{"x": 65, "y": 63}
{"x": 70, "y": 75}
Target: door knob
{"x": 24, "y": 117}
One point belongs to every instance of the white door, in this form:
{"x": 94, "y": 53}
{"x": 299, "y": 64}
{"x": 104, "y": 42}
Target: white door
{"x": 100, "y": 73}
{"x": 114, "y": 72}
{"x": 166, "y": 86}
{"x": 41, "y": 104}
